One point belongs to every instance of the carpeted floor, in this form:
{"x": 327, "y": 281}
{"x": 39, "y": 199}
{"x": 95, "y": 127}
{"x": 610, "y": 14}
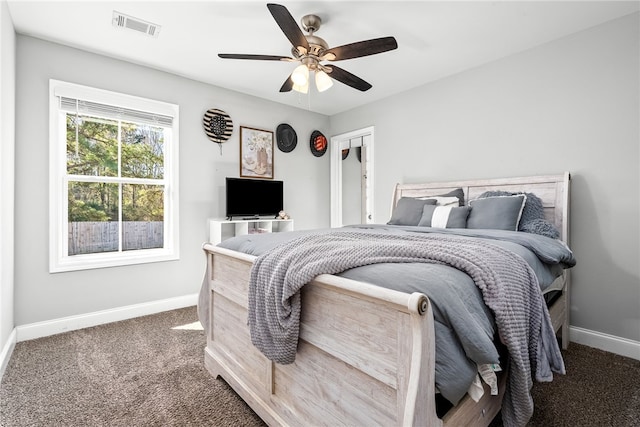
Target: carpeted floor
{"x": 149, "y": 371}
{"x": 139, "y": 372}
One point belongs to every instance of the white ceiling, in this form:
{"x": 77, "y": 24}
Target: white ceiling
{"x": 435, "y": 38}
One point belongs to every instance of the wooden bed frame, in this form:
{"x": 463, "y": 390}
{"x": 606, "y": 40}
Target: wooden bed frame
{"x": 366, "y": 354}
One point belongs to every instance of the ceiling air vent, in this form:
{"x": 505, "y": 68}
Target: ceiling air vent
{"x": 120, "y": 20}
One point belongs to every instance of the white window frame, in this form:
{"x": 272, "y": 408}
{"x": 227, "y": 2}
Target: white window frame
{"x": 59, "y": 261}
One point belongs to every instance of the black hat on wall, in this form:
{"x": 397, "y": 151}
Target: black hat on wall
{"x": 286, "y": 138}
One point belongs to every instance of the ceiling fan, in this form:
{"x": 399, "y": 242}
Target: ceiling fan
{"x": 310, "y": 50}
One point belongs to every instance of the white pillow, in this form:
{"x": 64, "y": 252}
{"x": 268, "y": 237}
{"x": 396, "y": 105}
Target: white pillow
{"x": 444, "y": 201}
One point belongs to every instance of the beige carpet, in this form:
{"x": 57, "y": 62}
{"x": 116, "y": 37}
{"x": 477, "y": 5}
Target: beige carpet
{"x": 149, "y": 372}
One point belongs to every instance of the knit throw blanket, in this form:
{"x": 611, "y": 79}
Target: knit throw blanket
{"x": 508, "y": 285}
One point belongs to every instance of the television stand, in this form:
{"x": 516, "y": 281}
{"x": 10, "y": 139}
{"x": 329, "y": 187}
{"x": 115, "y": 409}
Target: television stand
{"x": 222, "y": 229}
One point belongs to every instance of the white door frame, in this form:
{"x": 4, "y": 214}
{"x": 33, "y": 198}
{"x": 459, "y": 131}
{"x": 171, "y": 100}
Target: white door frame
{"x": 356, "y": 138}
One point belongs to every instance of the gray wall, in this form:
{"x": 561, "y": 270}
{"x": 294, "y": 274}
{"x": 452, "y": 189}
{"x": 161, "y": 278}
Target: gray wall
{"x": 42, "y": 296}
{"x": 7, "y": 158}
{"x": 571, "y": 104}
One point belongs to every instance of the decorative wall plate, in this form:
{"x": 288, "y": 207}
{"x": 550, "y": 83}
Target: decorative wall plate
{"x": 217, "y": 125}
{"x": 318, "y": 143}
{"x": 286, "y": 138}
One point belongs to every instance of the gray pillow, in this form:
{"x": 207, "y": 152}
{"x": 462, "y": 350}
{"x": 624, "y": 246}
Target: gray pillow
{"x": 533, "y": 220}
{"x": 408, "y": 211}
{"x": 533, "y": 208}
{"x": 540, "y": 226}
{"x": 444, "y": 216}
{"x": 498, "y": 213}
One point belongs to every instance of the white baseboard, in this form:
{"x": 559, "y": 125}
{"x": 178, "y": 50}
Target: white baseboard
{"x": 611, "y": 343}
{"x": 72, "y": 323}
{"x": 7, "y": 350}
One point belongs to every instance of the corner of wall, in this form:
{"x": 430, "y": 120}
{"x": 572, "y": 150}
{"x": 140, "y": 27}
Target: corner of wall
{"x": 7, "y": 167}
{"x": 6, "y": 352}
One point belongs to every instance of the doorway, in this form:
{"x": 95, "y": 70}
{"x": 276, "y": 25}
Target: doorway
{"x": 352, "y": 178}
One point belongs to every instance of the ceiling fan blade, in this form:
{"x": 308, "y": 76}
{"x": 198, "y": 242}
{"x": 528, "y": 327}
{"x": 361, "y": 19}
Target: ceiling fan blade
{"x": 359, "y": 49}
{"x": 260, "y": 57}
{"x": 288, "y": 25}
{"x": 349, "y": 79}
{"x": 287, "y": 85}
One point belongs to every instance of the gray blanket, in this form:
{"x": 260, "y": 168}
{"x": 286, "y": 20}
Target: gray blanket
{"x": 508, "y": 284}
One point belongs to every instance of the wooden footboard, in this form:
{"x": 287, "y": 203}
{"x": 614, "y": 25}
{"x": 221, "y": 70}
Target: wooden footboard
{"x": 365, "y": 355}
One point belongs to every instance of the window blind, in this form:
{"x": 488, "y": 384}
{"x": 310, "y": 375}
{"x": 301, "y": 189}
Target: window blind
{"x": 73, "y": 105}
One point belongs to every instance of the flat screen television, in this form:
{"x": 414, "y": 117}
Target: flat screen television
{"x": 251, "y": 198}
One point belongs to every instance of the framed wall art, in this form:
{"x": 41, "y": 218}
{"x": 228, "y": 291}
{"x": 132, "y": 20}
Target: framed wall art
{"x": 256, "y": 153}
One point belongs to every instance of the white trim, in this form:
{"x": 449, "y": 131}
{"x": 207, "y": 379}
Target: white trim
{"x": 611, "y": 343}
{"x": 72, "y": 323}
{"x": 113, "y": 259}
{"x": 103, "y": 96}
{"x": 7, "y": 350}
{"x": 338, "y": 142}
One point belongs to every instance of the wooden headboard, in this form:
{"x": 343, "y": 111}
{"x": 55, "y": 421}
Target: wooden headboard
{"x": 553, "y": 190}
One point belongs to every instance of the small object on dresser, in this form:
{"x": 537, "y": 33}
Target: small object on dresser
{"x": 283, "y": 215}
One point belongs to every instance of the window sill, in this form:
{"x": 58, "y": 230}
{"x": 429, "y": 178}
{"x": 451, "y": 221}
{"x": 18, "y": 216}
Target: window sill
{"x": 114, "y": 259}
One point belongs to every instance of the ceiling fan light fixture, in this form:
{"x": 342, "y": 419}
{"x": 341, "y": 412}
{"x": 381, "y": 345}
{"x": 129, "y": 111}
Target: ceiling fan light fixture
{"x": 323, "y": 81}
{"x": 301, "y": 88}
{"x": 300, "y": 75}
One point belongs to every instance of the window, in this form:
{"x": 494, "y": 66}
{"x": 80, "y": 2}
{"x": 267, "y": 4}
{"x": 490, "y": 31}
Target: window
{"x": 113, "y": 179}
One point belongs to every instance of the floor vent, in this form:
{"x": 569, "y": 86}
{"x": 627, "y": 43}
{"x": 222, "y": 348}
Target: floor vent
{"x": 120, "y": 20}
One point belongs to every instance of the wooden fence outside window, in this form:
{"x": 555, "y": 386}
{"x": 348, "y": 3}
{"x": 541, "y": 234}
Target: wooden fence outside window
{"x": 95, "y": 237}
